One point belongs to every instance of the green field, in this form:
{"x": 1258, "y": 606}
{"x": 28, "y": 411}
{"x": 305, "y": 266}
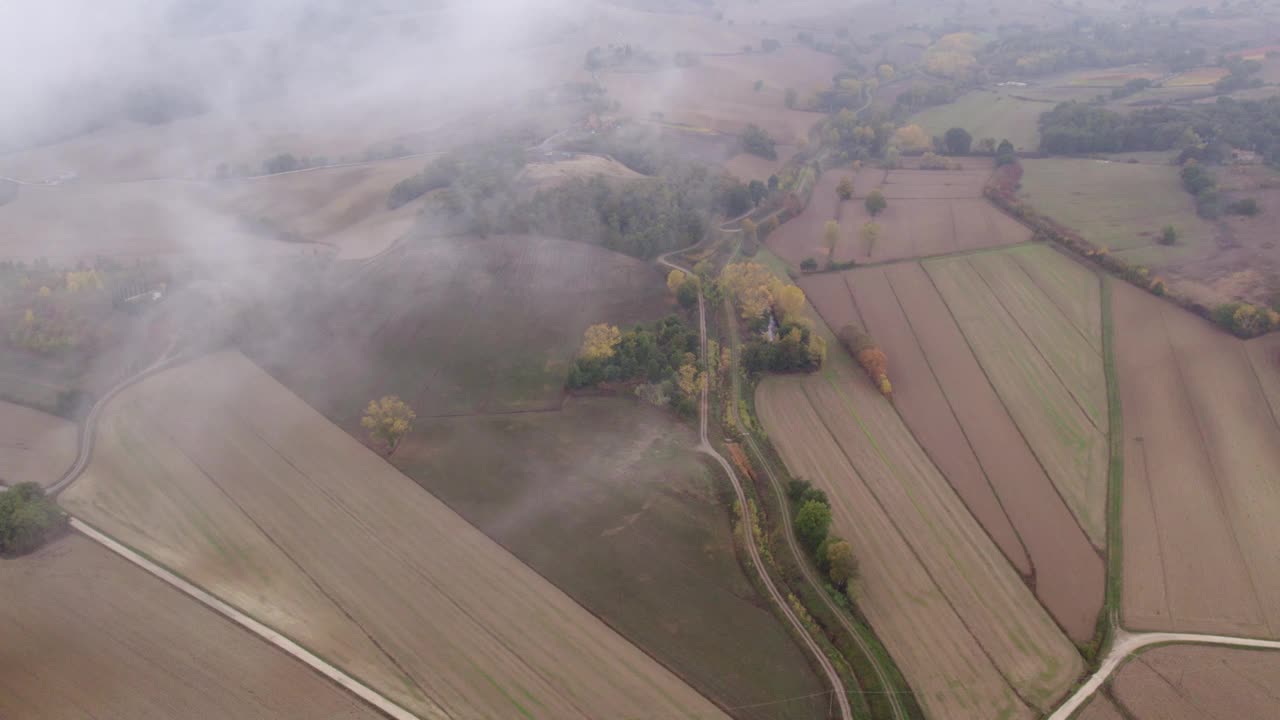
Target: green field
{"x": 1118, "y": 205}
{"x": 608, "y": 501}
{"x": 999, "y": 113}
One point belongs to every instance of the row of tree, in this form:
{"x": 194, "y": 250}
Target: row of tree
{"x": 812, "y": 522}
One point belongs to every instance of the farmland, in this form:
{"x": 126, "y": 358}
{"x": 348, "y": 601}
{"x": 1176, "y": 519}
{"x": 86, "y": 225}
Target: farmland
{"x": 34, "y": 446}
{"x": 87, "y": 635}
{"x": 974, "y": 415}
{"x": 1190, "y": 682}
{"x": 1001, "y": 113}
{"x": 1201, "y": 444}
{"x": 606, "y": 499}
{"x": 1120, "y": 206}
{"x": 245, "y": 490}
{"x": 930, "y": 212}
{"x": 968, "y": 634}
{"x": 509, "y": 310}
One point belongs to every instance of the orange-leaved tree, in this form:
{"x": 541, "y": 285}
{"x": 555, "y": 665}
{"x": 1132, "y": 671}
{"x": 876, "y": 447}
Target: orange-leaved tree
{"x": 869, "y": 355}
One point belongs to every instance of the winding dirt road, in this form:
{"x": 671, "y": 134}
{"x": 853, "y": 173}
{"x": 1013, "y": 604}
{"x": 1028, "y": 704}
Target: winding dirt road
{"x": 704, "y": 446}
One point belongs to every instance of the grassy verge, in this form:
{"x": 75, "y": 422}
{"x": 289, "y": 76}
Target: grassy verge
{"x": 1115, "y": 484}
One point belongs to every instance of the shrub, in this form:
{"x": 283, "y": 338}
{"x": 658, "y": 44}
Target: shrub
{"x": 1169, "y": 235}
{"x": 809, "y": 265}
{"x": 1247, "y": 206}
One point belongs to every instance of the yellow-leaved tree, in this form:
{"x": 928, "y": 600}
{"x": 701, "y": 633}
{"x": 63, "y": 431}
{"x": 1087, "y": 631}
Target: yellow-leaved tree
{"x": 675, "y": 279}
{"x": 788, "y": 300}
{"x": 388, "y": 420}
{"x": 690, "y": 381}
{"x": 748, "y": 284}
{"x": 599, "y": 341}
{"x": 912, "y": 137}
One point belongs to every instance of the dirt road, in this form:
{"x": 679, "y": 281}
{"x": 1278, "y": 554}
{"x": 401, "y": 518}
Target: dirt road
{"x": 704, "y": 446}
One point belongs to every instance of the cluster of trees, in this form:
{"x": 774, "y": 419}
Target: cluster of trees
{"x": 1242, "y": 74}
{"x": 782, "y": 339}
{"x": 757, "y": 141}
{"x": 812, "y": 522}
{"x": 480, "y": 184}
{"x": 28, "y": 519}
{"x": 953, "y": 56}
{"x": 933, "y": 161}
{"x": 1132, "y": 87}
{"x": 1244, "y": 319}
{"x": 869, "y": 355}
{"x": 1029, "y": 50}
{"x": 48, "y": 312}
{"x": 1078, "y": 128}
{"x": 659, "y": 358}
{"x": 1200, "y": 182}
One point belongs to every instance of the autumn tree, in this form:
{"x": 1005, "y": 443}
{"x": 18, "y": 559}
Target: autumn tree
{"x": 788, "y": 300}
{"x": 749, "y": 230}
{"x": 675, "y": 279}
{"x": 599, "y": 341}
{"x": 885, "y": 72}
{"x": 830, "y": 237}
{"x": 870, "y": 235}
{"x": 875, "y": 202}
{"x": 842, "y": 566}
{"x": 912, "y": 138}
{"x": 845, "y": 189}
{"x": 388, "y": 420}
{"x": 869, "y": 355}
{"x": 690, "y": 381}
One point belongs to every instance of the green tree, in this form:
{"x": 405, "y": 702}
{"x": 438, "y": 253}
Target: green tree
{"x": 875, "y": 202}
{"x": 813, "y": 520}
{"x": 1169, "y": 235}
{"x": 845, "y": 189}
{"x": 758, "y": 86}
{"x": 27, "y": 519}
{"x": 842, "y": 566}
{"x": 756, "y": 140}
{"x": 958, "y": 141}
{"x": 1005, "y": 154}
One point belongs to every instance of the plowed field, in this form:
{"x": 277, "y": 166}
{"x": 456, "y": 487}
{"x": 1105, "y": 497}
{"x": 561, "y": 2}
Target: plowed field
{"x": 1201, "y": 451}
{"x": 1189, "y": 682}
{"x": 218, "y": 472}
{"x": 35, "y": 447}
{"x": 84, "y": 634}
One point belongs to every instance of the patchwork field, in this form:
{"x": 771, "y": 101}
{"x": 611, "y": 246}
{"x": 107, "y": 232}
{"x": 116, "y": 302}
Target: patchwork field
{"x": 946, "y": 390}
{"x": 455, "y": 325}
{"x": 218, "y": 472}
{"x": 608, "y": 501}
{"x": 1201, "y": 448}
{"x": 930, "y": 212}
{"x": 87, "y": 635}
{"x": 968, "y": 634}
{"x": 1190, "y": 682}
{"x": 1120, "y": 206}
{"x": 34, "y": 446}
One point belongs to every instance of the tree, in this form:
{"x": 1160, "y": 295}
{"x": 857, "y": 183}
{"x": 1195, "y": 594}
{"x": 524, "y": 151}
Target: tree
{"x": 808, "y": 265}
{"x": 758, "y": 86}
{"x": 675, "y": 279}
{"x": 687, "y": 293}
{"x": 1247, "y": 206}
{"x": 885, "y": 72}
{"x": 1169, "y": 235}
{"x": 599, "y": 341}
{"x": 788, "y": 300}
{"x": 813, "y": 520}
{"x": 1005, "y": 154}
{"x": 957, "y": 141}
{"x": 749, "y": 230}
{"x": 756, "y": 140}
{"x": 869, "y": 355}
{"x": 790, "y": 98}
{"x": 690, "y": 381}
{"x": 912, "y": 138}
{"x": 758, "y": 191}
{"x": 842, "y": 566}
{"x": 870, "y": 235}
{"x": 875, "y": 202}
{"x": 831, "y": 236}
{"x": 387, "y": 420}
{"x": 892, "y": 158}
{"x": 845, "y": 189}
{"x": 27, "y": 519}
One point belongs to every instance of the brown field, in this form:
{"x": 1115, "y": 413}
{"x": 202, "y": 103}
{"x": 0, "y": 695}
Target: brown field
{"x": 34, "y": 446}
{"x": 1201, "y": 448}
{"x": 953, "y": 613}
{"x": 218, "y": 472}
{"x": 1100, "y": 708}
{"x": 543, "y": 175}
{"x": 1046, "y": 371}
{"x": 1197, "y": 77}
{"x": 342, "y": 207}
{"x": 1189, "y": 682}
{"x": 945, "y": 398}
{"x": 71, "y": 222}
{"x": 87, "y": 635}
{"x": 457, "y": 325}
{"x": 718, "y": 93}
{"x": 930, "y": 212}
{"x": 747, "y": 167}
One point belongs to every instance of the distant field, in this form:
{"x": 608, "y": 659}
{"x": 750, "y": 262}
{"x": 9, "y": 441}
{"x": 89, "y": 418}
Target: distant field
{"x": 1110, "y": 77}
{"x": 1120, "y": 206}
{"x": 35, "y": 446}
{"x": 218, "y": 472}
{"x": 1201, "y": 446}
{"x": 88, "y": 635}
{"x": 457, "y": 325}
{"x": 1196, "y": 682}
{"x": 1011, "y": 113}
{"x": 930, "y": 212}
{"x": 953, "y": 613}
{"x": 963, "y": 415}
{"x": 607, "y": 500}
{"x": 1197, "y": 77}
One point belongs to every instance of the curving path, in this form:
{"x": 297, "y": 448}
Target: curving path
{"x": 704, "y": 446}
{"x": 1127, "y": 644}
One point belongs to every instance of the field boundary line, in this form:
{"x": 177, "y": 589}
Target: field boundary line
{"x": 963, "y": 433}
{"x": 359, "y": 689}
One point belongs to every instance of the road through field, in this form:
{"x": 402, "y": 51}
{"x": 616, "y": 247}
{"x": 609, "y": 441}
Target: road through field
{"x": 704, "y": 446}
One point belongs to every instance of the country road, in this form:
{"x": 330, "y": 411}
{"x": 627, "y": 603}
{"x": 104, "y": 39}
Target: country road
{"x": 837, "y": 685}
